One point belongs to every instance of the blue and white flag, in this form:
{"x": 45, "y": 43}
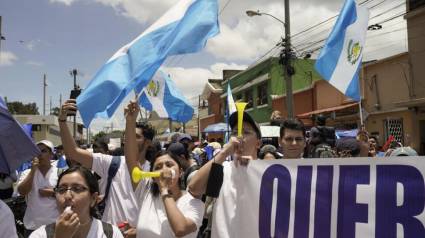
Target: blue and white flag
{"x": 185, "y": 28}
{"x": 340, "y": 60}
{"x": 231, "y": 108}
{"x": 230, "y": 102}
{"x": 162, "y": 96}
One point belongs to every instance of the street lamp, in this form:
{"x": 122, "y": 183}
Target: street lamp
{"x": 286, "y": 55}
{"x": 251, "y": 13}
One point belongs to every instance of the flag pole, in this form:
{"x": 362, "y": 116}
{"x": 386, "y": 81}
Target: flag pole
{"x": 136, "y": 97}
{"x": 361, "y": 112}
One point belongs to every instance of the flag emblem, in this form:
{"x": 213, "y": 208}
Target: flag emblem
{"x": 153, "y": 88}
{"x": 354, "y": 51}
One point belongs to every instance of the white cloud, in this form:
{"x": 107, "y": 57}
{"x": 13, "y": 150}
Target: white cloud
{"x": 66, "y": 2}
{"x": 7, "y": 58}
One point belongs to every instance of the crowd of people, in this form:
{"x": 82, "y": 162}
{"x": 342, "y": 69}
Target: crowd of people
{"x": 72, "y": 191}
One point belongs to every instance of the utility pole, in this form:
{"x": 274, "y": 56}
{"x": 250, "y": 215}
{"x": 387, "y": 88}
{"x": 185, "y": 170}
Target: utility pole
{"x": 44, "y": 94}
{"x": 288, "y": 70}
{"x": 50, "y": 106}
{"x": 60, "y": 100}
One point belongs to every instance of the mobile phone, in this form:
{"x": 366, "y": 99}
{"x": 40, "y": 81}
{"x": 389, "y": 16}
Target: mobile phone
{"x": 74, "y": 94}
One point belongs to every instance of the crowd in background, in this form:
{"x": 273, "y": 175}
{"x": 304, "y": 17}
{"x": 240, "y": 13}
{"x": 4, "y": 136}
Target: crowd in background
{"x": 87, "y": 191}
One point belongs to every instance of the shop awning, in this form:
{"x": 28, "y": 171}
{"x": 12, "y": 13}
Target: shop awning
{"x": 329, "y": 109}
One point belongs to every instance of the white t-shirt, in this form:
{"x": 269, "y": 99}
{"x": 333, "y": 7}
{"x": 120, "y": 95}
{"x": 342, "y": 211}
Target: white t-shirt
{"x": 224, "y": 208}
{"x": 121, "y": 195}
{"x": 96, "y": 231}
{"x": 40, "y": 210}
{"x": 7, "y": 221}
{"x": 153, "y": 221}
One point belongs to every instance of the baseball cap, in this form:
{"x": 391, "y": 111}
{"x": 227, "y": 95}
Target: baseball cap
{"x": 404, "y": 151}
{"x": 47, "y": 143}
{"x": 177, "y": 148}
{"x": 233, "y": 121}
{"x": 184, "y": 136}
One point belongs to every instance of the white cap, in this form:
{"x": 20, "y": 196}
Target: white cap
{"x": 47, "y": 143}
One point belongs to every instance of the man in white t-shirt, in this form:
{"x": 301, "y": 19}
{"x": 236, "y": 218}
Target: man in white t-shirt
{"x": 219, "y": 173}
{"x": 37, "y": 184}
{"x": 121, "y": 203}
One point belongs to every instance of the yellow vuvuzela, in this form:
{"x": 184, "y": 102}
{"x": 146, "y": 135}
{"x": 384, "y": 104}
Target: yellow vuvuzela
{"x": 138, "y": 174}
{"x": 240, "y": 107}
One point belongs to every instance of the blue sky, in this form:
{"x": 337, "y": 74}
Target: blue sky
{"x": 54, "y": 36}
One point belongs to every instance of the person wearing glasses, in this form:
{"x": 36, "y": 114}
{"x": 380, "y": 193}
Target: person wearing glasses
{"x": 220, "y": 172}
{"x": 292, "y": 139}
{"x": 76, "y": 196}
{"x": 37, "y": 184}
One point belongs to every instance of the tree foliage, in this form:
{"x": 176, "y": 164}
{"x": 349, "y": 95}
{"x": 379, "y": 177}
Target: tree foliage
{"x": 20, "y": 108}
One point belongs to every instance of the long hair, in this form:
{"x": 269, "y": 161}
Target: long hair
{"x": 154, "y": 188}
{"x": 89, "y": 178}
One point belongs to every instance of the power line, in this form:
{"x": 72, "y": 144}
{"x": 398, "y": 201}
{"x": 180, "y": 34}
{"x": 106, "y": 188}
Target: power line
{"x": 328, "y": 29}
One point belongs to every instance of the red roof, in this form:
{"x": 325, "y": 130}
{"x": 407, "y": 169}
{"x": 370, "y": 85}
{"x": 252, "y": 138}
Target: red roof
{"x": 329, "y": 109}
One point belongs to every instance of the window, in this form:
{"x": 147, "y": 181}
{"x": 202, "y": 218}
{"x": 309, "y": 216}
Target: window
{"x": 394, "y": 127}
{"x": 36, "y": 127}
{"x": 249, "y": 98}
{"x": 262, "y": 94}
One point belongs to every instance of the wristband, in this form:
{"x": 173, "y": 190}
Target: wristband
{"x": 165, "y": 193}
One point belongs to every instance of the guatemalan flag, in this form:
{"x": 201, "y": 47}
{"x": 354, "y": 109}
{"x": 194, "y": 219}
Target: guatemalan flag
{"x": 340, "y": 60}
{"x": 185, "y": 28}
{"x": 162, "y": 96}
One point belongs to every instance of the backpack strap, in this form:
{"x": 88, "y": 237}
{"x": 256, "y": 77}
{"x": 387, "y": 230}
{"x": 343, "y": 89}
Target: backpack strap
{"x": 50, "y": 230}
{"x": 107, "y": 229}
{"x": 112, "y": 171}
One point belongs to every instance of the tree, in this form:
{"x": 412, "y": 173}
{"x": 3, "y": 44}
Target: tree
{"x": 55, "y": 111}
{"x": 20, "y": 108}
{"x": 99, "y": 135}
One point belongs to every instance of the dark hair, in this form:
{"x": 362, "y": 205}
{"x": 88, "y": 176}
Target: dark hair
{"x": 293, "y": 124}
{"x": 89, "y": 178}
{"x": 321, "y": 120}
{"x": 101, "y": 144}
{"x": 148, "y": 130}
{"x": 154, "y": 187}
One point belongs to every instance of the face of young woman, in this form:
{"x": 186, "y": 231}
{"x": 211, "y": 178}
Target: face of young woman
{"x": 74, "y": 191}
{"x": 165, "y": 162}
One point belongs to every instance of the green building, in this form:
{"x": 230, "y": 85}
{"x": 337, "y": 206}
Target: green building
{"x": 260, "y": 83}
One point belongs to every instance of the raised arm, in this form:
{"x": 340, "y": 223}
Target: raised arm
{"x": 70, "y": 148}
{"x": 130, "y": 146}
{"x": 25, "y": 185}
{"x": 198, "y": 183}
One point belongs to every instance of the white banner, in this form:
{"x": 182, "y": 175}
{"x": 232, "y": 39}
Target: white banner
{"x": 335, "y": 198}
